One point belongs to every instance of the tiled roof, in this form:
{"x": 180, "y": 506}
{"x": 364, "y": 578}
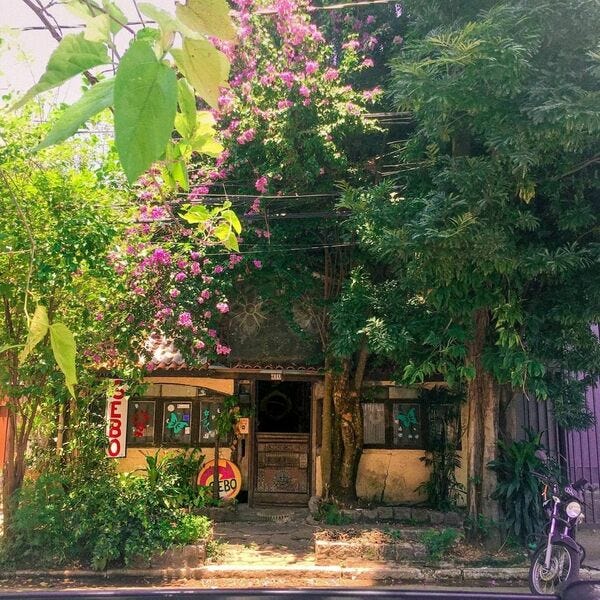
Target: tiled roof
{"x": 166, "y": 357}
{"x": 164, "y": 354}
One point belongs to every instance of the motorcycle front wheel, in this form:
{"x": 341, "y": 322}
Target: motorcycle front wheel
{"x": 564, "y": 568}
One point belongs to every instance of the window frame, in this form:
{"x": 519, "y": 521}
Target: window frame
{"x": 160, "y": 403}
{"x": 389, "y": 425}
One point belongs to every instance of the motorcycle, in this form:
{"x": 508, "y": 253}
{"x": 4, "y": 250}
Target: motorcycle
{"x": 558, "y": 557}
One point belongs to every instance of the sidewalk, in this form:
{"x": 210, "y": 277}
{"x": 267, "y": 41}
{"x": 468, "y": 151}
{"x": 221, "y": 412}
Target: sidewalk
{"x": 275, "y": 548}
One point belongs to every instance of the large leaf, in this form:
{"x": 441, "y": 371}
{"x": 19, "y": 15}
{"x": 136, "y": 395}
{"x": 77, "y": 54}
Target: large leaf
{"x": 73, "y": 55}
{"x": 38, "y": 328}
{"x": 205, "y": 67}
{"x": 95, "y": 99}
{"x": 187, "y": 105}
{"x": 64, "y": 349}
{"x": 166, "y": 21}
{"x": 98, "y": 28}
{"x": 209, "y": 17}
{"x": 118, "y": 17}
{"x": 145, "y": 105}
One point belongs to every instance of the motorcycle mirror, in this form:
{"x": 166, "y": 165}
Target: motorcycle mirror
{"x": 541, "y": 454}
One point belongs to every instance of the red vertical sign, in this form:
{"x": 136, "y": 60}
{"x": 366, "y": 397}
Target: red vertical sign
{"x": 116, "y": 420}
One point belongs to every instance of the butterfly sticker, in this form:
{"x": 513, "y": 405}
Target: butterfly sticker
{"x": 174, "y": 424}
{"x": 409, "y": 419}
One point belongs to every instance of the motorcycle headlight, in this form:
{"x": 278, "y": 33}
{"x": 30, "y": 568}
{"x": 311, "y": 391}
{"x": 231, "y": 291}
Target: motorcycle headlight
{"x": 573, "y": 509}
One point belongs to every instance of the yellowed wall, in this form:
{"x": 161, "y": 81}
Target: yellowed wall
{"x": 226, "y": 386}
{"x": 136, "y": 457}
{"x": 391, "y": 476}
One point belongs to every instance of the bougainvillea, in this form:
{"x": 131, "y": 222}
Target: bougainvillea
{"x": 285, "y": 122}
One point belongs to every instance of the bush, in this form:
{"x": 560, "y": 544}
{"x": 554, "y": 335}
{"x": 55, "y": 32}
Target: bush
{"x": 77, "y": 517}
{"x": 518, "y": 490}
{"x": 439, "y": 543}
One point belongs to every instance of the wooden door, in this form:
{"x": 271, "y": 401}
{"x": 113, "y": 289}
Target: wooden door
{"x": 282, "y": 474}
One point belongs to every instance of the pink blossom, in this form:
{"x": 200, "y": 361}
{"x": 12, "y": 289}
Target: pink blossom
{"x": 174, "y": 293}
{"x": 311, "y": 67}
{"x": 370, "y": 19}
{"x": 351, "y": 45}
{"x": 150, "y": 366}
{"x": 304, "y": 91}
{"x": 288, "y": 78}
{"x": 195, "y": 268}
{"x": 222, "y": 307}
{"x": 261, "y": 184}
{"x": 199, "y": 345}
{"x": 218, "y": 269}
{"x": 222, "y": 349}
{"x": 205, "y": 294}
{"x": 161, "y": 257}
{"x": 282, "y": 104}
{"x": 194, "y": 255}
{"x": 246, "y": 136}
{"x": 207, "y": 314}
{"x": 180, "y": 276}
{"x": 99, "y": 316}
{"x": 367, "y": 63}
{"x": 257, "y": 263}
{"x": 185, "y": 319}
{"x": 331, "y": 75}
{"x": 398, "y": 39}
{"x": 212, "y": 333}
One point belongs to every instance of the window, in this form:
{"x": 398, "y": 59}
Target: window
{"x": 167, "y": 419}
{"x": 392, "y": 423}
{"x": 140, "y": 430}
{"x": 177, "y": 422}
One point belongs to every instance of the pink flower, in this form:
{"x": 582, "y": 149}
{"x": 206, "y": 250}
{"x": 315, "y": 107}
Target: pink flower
{"x": 199, "y": 345}
{"x": 99, "y": 316}
{"x": 205, "y": 294}
{"x": 222, "y": 307}
{"x": 161, "y": 257}
{"x": 370, "y": 19}
{"x": 195, "y": 268}
{"x": 194, "y": 255}
{"x": 261, "y": 184}
{"x": 185, "y": 319}
{"x": 331, "y": 75}
{"x": 367, "y": 63}
{"x": 174, "y": 293}
{"x": 257, "y": 263}
{"x": 311, "y": 67}
{"x": 282, "y": 104}
{"x": 180, "y": 276}
{"x": 218, "y": 269}
{"x": 246, "y": 136}
{"x": 222, "y": 349}
{"x": 207, "y": 314}
{"x": 212, "y": 333}
{"x": 304, "y": 91}
{"x": 351, "y": 45}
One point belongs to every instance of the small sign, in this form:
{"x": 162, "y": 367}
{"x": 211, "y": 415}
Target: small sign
{"x": 230, "y": 478}
{"x": 243, "y": 426}
{"x": 276, "y": 376}
{"x": 116, "y": 420}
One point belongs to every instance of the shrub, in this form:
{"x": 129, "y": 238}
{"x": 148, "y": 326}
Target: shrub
{"x": 63, "y": 518}
{"x": 518, "y": 489}
{"x": 439, "y": 543}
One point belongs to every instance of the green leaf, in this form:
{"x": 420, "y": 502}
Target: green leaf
{"x": 118, "y": 17}
{"x": 225, "y": 234}
{"x": 98, "y": 28}
{"x": 167, "y": 22}
{"x": 196, "y": 214}
{"x": 233, "y": 220}
{"x": 94, "y": 100}
{"x": 73, "y": 55}
{"x": 209, "y": 17}
{"x": 38, "y": 328}
{"x": 187, "y": 104}
{"x": 64, "y": 349}
{"x": 8, "y": 347}
{"x": 206, "y": 144}
{"x": 205, "y": 67}
{"x": 145, "y": 106}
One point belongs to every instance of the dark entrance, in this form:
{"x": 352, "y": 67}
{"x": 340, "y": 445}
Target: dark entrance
{"x": 282, "y": 473}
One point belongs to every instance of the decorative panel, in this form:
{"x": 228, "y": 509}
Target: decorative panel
{"x": 407, "y": 425}
{"x": 374, "y": 423}
{"x": 140, "y": 429}
{"x": 177, "y": 420}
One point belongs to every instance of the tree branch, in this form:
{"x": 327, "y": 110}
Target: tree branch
{"x": 587, "y": 163}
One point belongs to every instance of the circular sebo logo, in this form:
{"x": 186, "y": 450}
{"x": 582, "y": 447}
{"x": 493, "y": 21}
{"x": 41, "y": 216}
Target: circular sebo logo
{"x": 230, "y": 478}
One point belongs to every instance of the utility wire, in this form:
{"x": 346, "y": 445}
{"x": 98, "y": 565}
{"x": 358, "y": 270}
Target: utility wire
{"x": 266, "y": 11}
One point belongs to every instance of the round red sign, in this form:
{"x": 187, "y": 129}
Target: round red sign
{"x": 230, "y": 478}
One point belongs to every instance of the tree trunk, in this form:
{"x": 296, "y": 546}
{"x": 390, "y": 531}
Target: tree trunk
{"x": 215, "y": 489}
{"x": 326, "y": 432}
{"x": 348, "y": 418}
{"x": 483, "y": 397}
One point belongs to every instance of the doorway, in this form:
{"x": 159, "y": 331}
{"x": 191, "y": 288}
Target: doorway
{"x": 282, "y": 443}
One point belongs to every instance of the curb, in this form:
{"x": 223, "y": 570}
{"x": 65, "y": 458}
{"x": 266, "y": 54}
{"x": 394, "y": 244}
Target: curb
{"x": 383, "y": 572}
